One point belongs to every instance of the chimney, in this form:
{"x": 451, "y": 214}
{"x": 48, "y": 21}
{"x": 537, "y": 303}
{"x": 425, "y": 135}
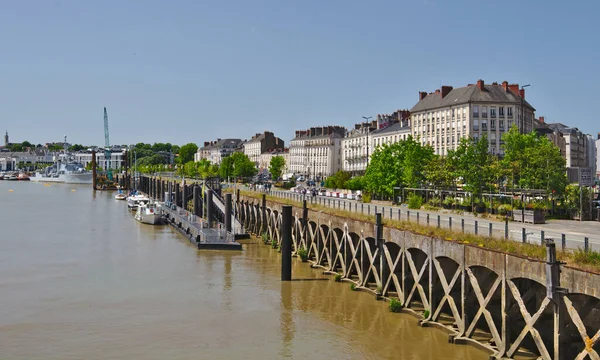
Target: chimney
{"x": 522, "y": 93}
{"x": 599, "y": 136}
{"x": 514, "y": 88}
{"x": 480, "y": 84}
{"x": 312, "y": 131}
{"x": 422, "y": 95}
{"x": 541, "y": 119}
{"x": 505, "y": 85}
{"x": 257, "y": 135}
{"x": 446, "y": 90}
{"x": 206, "y": 143}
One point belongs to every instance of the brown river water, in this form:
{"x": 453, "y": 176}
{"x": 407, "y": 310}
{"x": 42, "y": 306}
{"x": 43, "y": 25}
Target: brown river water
{"x": 81, "y": 279}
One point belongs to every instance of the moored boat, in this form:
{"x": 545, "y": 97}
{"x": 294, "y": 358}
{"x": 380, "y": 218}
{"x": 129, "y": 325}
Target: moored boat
{"x": 11, "y": 177}
{"x": 134, "y": 201}
{"x": 22, "y": 177}
{"x": 120, "y": 196}
{"x": 149, "y": 213}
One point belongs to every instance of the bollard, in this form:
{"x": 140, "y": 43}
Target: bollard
{"x": 390, "y": 213}
{"x": 399, "y": 215}
{"x": 523, "y": 235}
{"x": 490, "y": 232}
{"x": 369, "y": 210}
{"x": 462, "y": 225}
{"x": 184, "y": 197}
{"x": 362, "y": 208}
{"x": 542, "y": 237}
{"x": 227, "y": 215}
{"x": 426, "y": 217}
{"x": 375, "y": 209}
{"x": 476, "y": 227}
{"x": 506, "y": 229}
{"x": 417, "y": 217}
{"x": 408, "y": 215}
{"x": 586, "y": 244}
{"x": 355, "y": 207}
{"x": 450, "y": 223}
{"x": 439, "y": 221}
{"x": 563, "y": 241}
{"x": 286, "y": 243}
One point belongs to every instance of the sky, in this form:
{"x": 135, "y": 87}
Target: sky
{"x": 192, "y": 71}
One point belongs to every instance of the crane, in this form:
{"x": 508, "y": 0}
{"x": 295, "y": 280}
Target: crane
{"x": 107, "y": 153}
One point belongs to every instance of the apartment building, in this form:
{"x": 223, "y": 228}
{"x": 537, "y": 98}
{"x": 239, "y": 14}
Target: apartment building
{"x": 356, "y": 147}
{"x": 215, "y": 151}
{"x": 576, "y": 144}
{"x": 598, "y": 157}
{"x": 261, "y": 143}
{"x": 396, "y": 129}
{"x": 265, "y": 158}
{"x": 316, "y": 152}
{"x": 442, "y": 118}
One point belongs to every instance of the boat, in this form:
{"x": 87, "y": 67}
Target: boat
{"x": 61, "y": 172}
{"x": 149, "y": 213}
{"x": 1, "y": 176}
{"x": 134, "y": 201}
{"x": 120, "y": 196}
{"x": 11, "y": 177}
{"x": 22, "y": 177}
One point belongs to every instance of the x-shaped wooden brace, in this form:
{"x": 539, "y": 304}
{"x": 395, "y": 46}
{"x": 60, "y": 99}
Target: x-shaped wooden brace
{"x": 355, "y": 263}
{"x": 313, "y": 246}
{"x": 589, "y": 342}
{"x": 392, "y": 277}
{"x": 529, "y": 322}
{"x": 324, "y": 252}
{"x": 297, "y": 234}
{"x": 339, "y": 256}
{"x": 372, "y": 256}
{"x": 483, "y": 303}
{"x": 447, "y": 287}
{"x": 417, "y": 275}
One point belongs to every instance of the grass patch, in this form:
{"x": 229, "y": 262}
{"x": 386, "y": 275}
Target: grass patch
{"x": 338, "y": 277}
{"x": 353, "y": 286}
{"x": 395, "y": 305}
{"x": 426, "y": 314}
{"x": 303, "y": 254}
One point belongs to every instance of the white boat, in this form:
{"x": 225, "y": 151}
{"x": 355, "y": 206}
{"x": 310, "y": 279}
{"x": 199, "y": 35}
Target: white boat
{"x": 149, "y": 213}
{"x": 68, "y": 173}
{"x": 134, "y": 201}
{"x": 120, "y": 196}
{"x": 11, "y": 177}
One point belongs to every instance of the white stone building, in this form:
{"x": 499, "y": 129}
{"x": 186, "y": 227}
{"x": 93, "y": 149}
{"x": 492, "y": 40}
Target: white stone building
{"x": 316, "y": 153}
{"x": 394, "y": 133}
{"x": 261, "y": 143}
{"x": 265, "y": 158}
{"x": 356, "y": 147}
{"x": 442, "y": 118}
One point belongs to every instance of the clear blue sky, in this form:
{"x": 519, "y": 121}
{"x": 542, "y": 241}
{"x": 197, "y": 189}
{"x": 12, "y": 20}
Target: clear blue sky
{"x": 192, "y": 71}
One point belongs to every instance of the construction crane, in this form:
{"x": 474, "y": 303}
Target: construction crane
{"x": 107, "y": 153}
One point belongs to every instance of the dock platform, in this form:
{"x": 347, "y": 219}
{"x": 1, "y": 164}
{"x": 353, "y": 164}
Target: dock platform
{"x": 197, "y": 231}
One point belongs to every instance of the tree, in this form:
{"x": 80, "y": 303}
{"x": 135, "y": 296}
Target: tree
{"x": 472, "y": 160}
{"x": 356, "y": 183}
{"x": 439, "y": 173}
{"x": 338, "y": 180}
{"x": 226, "y": 168}
{"x": 186, "y": 153}
{"x": 76, "y": 147}
{"x": 242, "y": 166}
{"x": 16, "y": 147}
{"x": 276, "y": 167}
{"x": 156, "y": 147}
{"x": 26, "y": 144}
{"x": 55, "y": 147}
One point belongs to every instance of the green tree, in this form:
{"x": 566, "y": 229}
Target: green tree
{"x": 242, "y": 166}
{"x": 16, "y": 147}
{"x": 338, "y": 180}
{"x": 26, "y": 144}
{"x": 439, "y": 173}
{"x": 76, "y": 147}
{"x": 472, "y": 160}
{"x": 226, "y": 168}
{"x": 356, "y": 183}
{"x": 276, "y": 166}
{"x": 156, "y": 147}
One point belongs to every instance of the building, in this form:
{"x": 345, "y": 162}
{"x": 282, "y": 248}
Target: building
{"x": 356, "y": 147}
{"x": 316, "y": 152}
{"x": 259, "y": 144}
{"x": 204, "y": 151}
{"x": 223, "y": 148}
{"x": 395, "y": 132}
{"x": 442, "y": 118}
{"x": 117, "y": 158}
{"x": 25, "y": 160}
{"x": 575, "y": 142}
{"x": 591, "y": 153}
{"x": 265, "y": 158}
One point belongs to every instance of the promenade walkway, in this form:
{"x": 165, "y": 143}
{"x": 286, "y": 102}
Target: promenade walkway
{"x": 572, "y": 234}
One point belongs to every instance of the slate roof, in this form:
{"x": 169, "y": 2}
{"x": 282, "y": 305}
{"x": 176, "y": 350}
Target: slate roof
{"x": 469, "y": 94}
{"x": 395, "y": 127}
{"x": 256, "y": 139}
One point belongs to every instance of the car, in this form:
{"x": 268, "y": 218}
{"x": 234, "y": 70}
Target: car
{"x": 300, "y": 178}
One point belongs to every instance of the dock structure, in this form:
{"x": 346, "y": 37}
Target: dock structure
{"x": 198, "y": 231}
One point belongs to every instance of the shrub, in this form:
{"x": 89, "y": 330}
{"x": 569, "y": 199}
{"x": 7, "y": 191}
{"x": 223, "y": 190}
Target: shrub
{"x": 289, "y": 184}
{"x": 353, "y": 286}
{"x": 274, "y": 244}
{"x": 265, "y": 237}
{"x": 504, "y": 209}
{"x": 415, "y": 202}
{"x": 395, "y": 305}
{"x": 303, "y": 254}
{"x": 426, "y": 314}
{"x": 338, "y": 277}
{"x": 378, "y": 290}
{"x": 449, "y": 201}
{"x": 366, "y": 197}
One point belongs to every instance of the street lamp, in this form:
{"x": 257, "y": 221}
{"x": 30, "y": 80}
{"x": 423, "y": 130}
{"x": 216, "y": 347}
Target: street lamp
{"x": 523, "y": 109}
{"x": 367, "y": 118}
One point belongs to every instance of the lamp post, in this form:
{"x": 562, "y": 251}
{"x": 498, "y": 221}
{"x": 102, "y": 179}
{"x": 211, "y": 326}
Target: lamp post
{"x": 523, "y": 109}
{"x": 367, "y": 118}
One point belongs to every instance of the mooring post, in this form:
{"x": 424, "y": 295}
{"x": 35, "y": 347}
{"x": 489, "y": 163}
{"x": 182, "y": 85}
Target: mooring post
{"x": 94, "y": 169}
{"x": 381, "y": 247}
{"x": 462, "y": 225}
{"x": 177, "y": 195}
{"x": 427, "y": 217}
{"x": 263, "y": 219}
{"x": 184, "y": 197}
{"x": 490, "y": 232}
{"x": 586, "y": 244}
{"x": 563, "y": 241}
{"x": 196, "y": 201}
{"x": 450, "y": 222}
{"x": 304, "y": 221}
{"x": 476, "y": 227}
{"x": 209, "y": 207}
{"x": 523, "y": 235}
{"x": 556, "y": 294}
{"x": 439, "y": 221}
{"x": 227, "y": 212}
{"x": 506, "y": 228}
{"x": 286, "y": 243}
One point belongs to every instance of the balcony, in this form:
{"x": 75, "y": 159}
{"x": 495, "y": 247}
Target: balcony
{"x": 476, "y": 114}
{"x": 484, "y": 115}
{"x": 475, "y": 127}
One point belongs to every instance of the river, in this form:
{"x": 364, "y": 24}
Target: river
{"x": 81, "y": 279}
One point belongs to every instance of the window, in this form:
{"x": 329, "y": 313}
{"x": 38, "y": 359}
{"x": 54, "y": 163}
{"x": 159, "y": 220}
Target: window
{"x": 501, "y": 124}
{"x": 501, "y": 111}
{"x": 475, "y": 125}
{"x": 475, "y": 111}
{"x": 484, "y": 125}
{"x": 453, "y": 114}
{"x": 493, "y": 111}
{"x": 493, "y": 124}
{"x": 484, "y": 111}
{"x": 509, "y": 111}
